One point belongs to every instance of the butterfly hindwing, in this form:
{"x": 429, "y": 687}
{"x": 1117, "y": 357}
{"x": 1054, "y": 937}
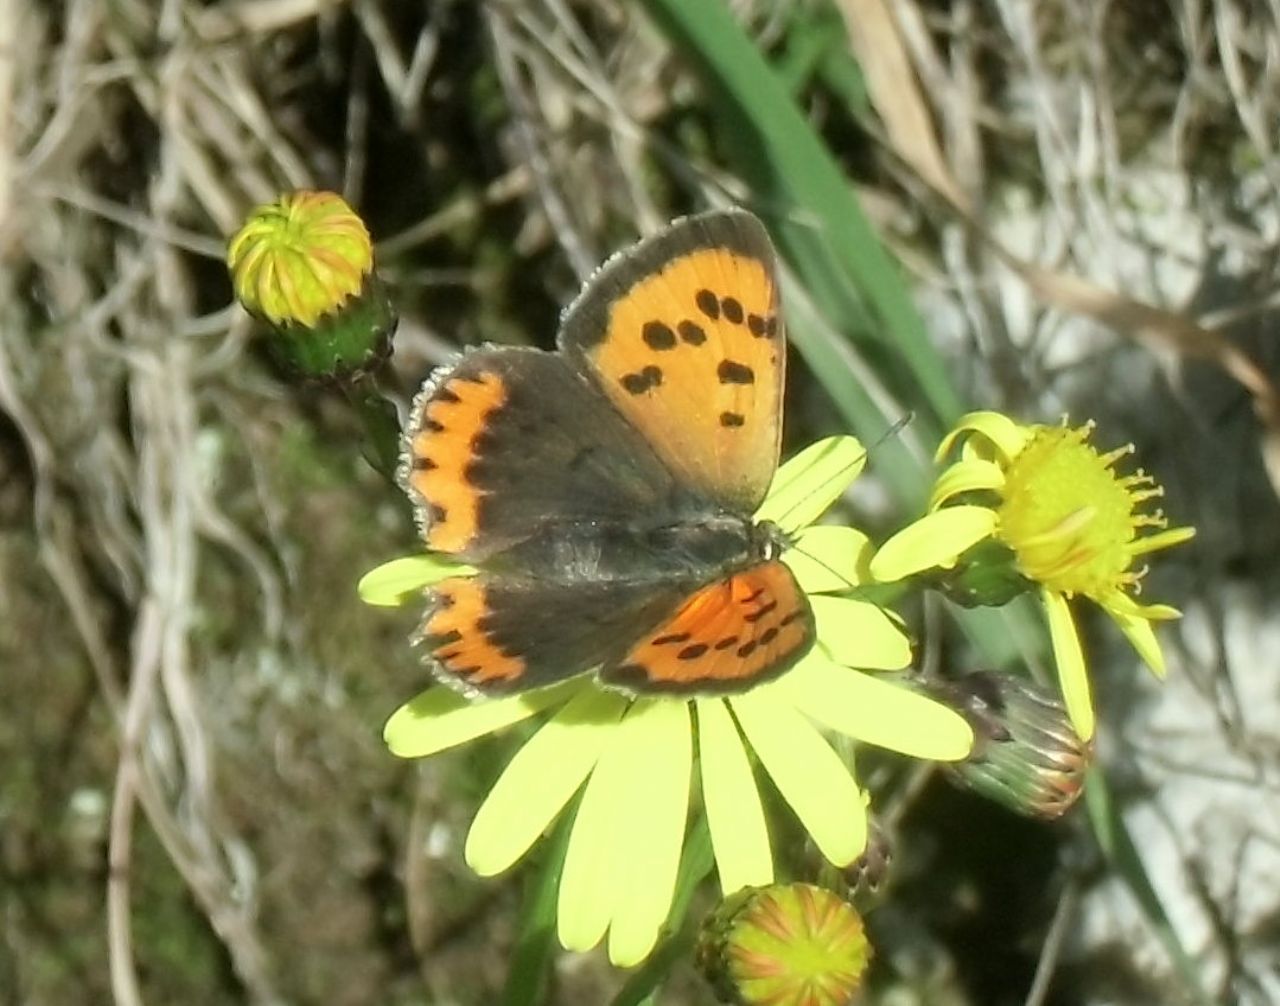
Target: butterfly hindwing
{"x": 493, "y": 634}
{"x": 682, "y": 334}
{"x": 511, "y": 443}
{"x": 740, "y": 630}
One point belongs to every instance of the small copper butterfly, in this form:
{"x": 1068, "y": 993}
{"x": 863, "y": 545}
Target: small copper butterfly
{"x": 605, "y": 491}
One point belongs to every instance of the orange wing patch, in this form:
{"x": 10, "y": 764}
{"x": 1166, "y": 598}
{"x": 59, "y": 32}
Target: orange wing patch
{"x": 440, "y": 451}
{"x": 693, "y": 358}
{"x": 459, "y": 646}
{"x": 726, "y": 637}
{"x": 683, "y": 335}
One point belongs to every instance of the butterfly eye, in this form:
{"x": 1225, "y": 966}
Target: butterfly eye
{"x": 769, "y": 541}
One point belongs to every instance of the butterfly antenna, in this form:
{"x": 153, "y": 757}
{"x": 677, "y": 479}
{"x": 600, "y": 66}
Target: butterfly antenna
{"x": 898, "y": 425}
{"x": 892, "y": 431}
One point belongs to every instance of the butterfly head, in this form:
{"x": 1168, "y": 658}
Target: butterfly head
{"x": 769, "y": 541}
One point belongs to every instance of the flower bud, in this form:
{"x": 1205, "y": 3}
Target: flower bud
{"x": 304, "y": 265}
{"x": 1027, "y": 756}
{"x": 785, "y": 945}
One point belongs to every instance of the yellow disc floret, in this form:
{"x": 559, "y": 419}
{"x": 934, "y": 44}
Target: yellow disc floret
{"x": 1069, "y": 518}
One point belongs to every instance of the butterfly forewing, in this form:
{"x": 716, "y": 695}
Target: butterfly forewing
{"x": 683, "y": 335}
{"x": 511, "y": 443}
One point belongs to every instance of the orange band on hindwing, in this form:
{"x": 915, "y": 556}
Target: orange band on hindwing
{"x": 442, "y": 449}
{"x": 459, "y": 644}
{"x": 734, "y": 633}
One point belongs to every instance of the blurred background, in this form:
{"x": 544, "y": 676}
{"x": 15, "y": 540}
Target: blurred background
{"x": 1048, "y": 208}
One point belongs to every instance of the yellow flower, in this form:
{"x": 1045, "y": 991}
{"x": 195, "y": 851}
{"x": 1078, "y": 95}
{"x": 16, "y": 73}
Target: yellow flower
{"x": 300, "y": 258}
{"x": 636, "y": 755}
{"x": 1073, "y": 526}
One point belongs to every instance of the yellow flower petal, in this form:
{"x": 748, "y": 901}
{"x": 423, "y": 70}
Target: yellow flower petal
{"x": 1161, "y": 539}
{"x": 540, "y": 779}
{"x": 860, "y": 634}
{"x": 738, "y": 832}
{"x": 936, "y": 539}
{"x": 395, "y": 582}
{"x": 1072, "y": 677}
{"x": 808, "y": 773}
{"x": 966, "y": 477}
{"x": 874, "y": 711}
{"x": 586, "y": 898}
{"x": 1004, "y": 434}
{"x": 1119, "y": 604}
{"x": 441, "y": 718}
{"x": 809, "y": 483}
{"x": 1158, "y": 612}
{"x": 1139, "y": 632}
{"x": 622, "y": 811}
{"x": 828, "y": 557}
{"x": 651, "y": 823}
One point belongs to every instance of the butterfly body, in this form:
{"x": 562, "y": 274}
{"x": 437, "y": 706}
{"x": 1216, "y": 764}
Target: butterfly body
{"x": 605, "y": 491}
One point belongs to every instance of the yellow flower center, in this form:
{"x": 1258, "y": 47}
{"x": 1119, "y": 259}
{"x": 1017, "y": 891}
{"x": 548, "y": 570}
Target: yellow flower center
{"x": 1069, "y": 518}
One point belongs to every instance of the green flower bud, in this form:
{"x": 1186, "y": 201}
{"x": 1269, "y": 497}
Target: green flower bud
{"x": 1027, "y": 756}
{"x": 785, "y": 945}
{"x": 304, "y": 265}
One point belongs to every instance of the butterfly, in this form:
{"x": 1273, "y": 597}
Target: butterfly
{"x": 604, "y": 492}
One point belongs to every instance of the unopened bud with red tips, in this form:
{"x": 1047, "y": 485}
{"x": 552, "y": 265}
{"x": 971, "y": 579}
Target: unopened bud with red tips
{"x": 304, "y": 265}
{"x": 785, "y": 945}
{"x": 1027, "y": 756}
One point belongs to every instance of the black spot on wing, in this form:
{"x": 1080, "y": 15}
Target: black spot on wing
{"x": 641, "y": 381}
{"x": 672, "y": 637}
{"x": 658, "y": 336}
{"x": 708, "y": 303}
{"x": 731, "y": 307}
{"x": 733, "y": 372}
{"x": 760, "y": 612}
{"x": 692, "y": 333}
{"x": 731, "y": 420}
{"x": 692, "y": 652}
